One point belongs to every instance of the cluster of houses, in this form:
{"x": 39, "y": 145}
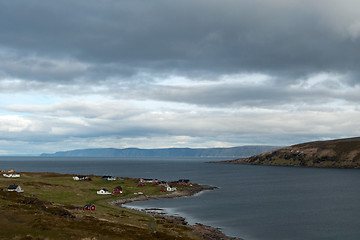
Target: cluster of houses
{"x": 116, "y": 190}
{"x": 167, "y": 185}
{"x": 80, "y": 178}
{"x": 11, "y": 174}
{"x": 149, "y": 180}
{"x": 109, "y": 178}
{"x": 104, "y": 191}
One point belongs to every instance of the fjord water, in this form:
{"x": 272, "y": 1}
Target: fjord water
{"x": 252, "y": 202}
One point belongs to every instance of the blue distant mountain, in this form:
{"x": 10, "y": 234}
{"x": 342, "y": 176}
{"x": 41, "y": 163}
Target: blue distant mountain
{"x": 244, "y": 151}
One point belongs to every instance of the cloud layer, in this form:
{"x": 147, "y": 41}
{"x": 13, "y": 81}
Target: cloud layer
{"x": 197, "y": 73}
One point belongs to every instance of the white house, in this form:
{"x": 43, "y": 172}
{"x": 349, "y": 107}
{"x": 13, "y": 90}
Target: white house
{"x": 15, "y": 188}
{"x": 170, "y": 189}
{"x": 109, "y": 178}
{"x": 11, "y": 175}
{"x": 103, "y": 191}
{"x": 78, "y": 178}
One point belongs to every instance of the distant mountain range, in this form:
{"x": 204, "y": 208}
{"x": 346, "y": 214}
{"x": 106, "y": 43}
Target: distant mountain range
{"x": 339, "y": 153}
{"x": 233, "y": 152}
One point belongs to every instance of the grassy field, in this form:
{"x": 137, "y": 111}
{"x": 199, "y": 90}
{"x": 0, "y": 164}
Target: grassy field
{"x": 47, "y": 210}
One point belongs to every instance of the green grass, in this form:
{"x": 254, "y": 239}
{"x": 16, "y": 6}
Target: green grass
{"x": 64, "y": 190}
{"x": 43, "y": 211}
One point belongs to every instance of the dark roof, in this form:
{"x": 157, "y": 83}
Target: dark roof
{"x": 118, "y": 187}
{"x": 88, "y": 205}
{"x": 13, "y": 186}
{"x": 184, "y": 180}
{"x": 105, "y": 189}
{"x": 107, "y": 177}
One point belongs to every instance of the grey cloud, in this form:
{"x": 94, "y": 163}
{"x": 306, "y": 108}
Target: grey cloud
{"x": 117, "y": 50}
{"x": 276, "y": 37}
{"x": 80, "y": 109}
{"x": 269, "y": 95}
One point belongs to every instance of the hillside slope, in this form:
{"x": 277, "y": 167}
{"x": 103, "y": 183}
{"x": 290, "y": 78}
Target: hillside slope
{"x": 340, "y": 153}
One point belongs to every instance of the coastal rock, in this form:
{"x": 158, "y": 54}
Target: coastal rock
{"x": 211, "y": 233}
{"x": 206, "y": 232}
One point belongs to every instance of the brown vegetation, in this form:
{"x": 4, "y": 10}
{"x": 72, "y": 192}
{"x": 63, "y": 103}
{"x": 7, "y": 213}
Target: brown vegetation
{"x": 341, "y": 153}
{"x": 49, "y": 209}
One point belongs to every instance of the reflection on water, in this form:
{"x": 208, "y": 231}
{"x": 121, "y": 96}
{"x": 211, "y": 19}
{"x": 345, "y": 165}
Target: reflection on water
{"x": 252, "y": 202}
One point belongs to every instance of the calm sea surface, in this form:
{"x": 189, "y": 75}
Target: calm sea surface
{"x": 252, "y": 202}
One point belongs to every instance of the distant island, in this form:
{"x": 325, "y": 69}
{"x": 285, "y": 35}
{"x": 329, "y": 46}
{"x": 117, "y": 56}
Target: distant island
{"x": 243, "y": 151}
{"x": 339, "y": 153}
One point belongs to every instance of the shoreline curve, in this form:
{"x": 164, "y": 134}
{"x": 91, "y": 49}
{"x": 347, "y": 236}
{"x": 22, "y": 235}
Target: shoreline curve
{"x": 207, "y": 232}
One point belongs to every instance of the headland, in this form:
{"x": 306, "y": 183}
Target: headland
{"x": 64, "y": 206}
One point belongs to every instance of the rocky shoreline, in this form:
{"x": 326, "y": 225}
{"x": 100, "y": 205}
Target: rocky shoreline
{"x": 207, "y": 232}
{"x": 188, "y": 192}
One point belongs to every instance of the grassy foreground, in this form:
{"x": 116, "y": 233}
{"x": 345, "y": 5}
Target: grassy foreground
{"x": 47, "y": 210}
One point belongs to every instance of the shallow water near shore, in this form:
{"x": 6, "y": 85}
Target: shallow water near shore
{"x": 252, "y": 202}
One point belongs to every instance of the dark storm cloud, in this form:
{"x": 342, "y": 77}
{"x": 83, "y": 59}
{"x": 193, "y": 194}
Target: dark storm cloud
{"x": 287, "y": 39}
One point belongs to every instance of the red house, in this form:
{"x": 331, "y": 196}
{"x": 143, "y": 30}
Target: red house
{"x": 89, "y": 207}
{"x": 117, "y": 190}
{"x": 141, "y": 185}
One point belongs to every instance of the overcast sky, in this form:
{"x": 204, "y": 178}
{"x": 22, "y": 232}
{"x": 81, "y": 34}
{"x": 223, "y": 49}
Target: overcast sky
{"x": 189, "y": 73}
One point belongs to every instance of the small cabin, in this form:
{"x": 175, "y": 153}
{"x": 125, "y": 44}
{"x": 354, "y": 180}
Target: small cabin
{"x": 170, "y": 189}
{"x": 117, "y": 190}
{"x": 80, "y": 178}
{"x": 103, "y": 191}
{"x": 89, "y": 207}
{"x": 15, "y": 188}
{"x": 109, "y": 178}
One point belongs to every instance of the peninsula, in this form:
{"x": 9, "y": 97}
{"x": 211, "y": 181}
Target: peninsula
{"x": 64, "y": 206}
{"x": 339, "y": 153}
